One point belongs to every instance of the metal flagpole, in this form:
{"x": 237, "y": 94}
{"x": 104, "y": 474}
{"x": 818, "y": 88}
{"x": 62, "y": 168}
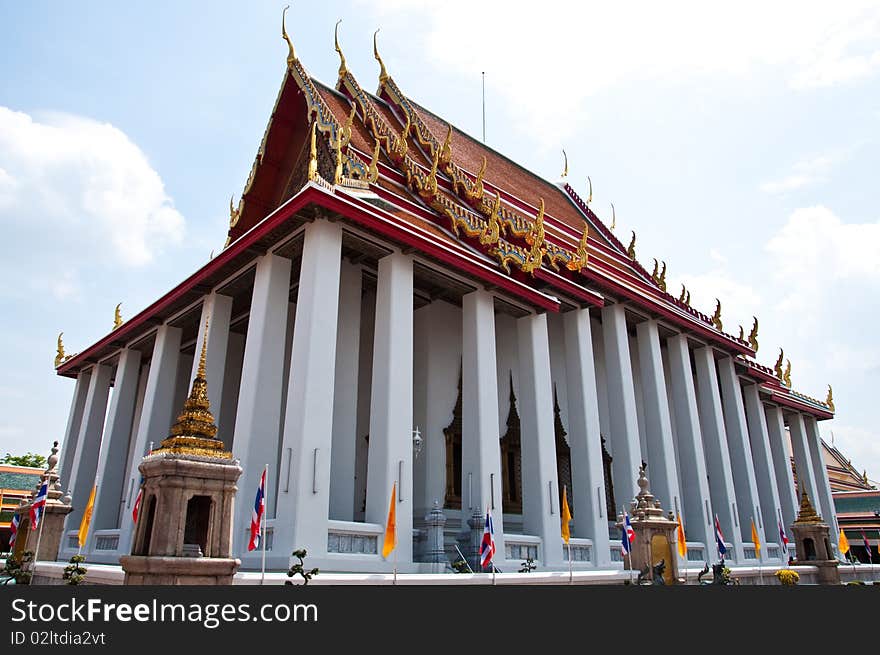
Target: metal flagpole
{"x": 263, "y": 529}
{"x": 395, "y": 560}
{"x": 39, "y": 537}
{"x": 484, "y": 106}
{"x": 569, "y": 564}
{"x": 464, "y": 559}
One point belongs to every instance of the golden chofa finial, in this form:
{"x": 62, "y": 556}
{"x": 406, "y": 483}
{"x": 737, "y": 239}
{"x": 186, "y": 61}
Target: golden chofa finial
{"x": 662, "y": 280}
{"x": 59, "y": 355}
{"x": 613, "y": 217}
{"x": 373, "y": 170}
{"x": 343, "y": 69}
{"x": 683, "y": 292}
{"x": 383, "y": 74}
{"x": 234, "y": 214}
{"x": 631, "y": 250}
{"x": 565, "y": 170}
{"x": 446, "y": 148}
{"x": 313, "y": 154}
{"x": 291, "y": 55}
{"x": 742, "y": 334}
{"x": 117, "y": 317}
{"x": 590, "y": 195}
{"x": 581, "y": 257}
{"x": 786, "y": 377}
{"x": 829, "y": 399}
{"x": 656, "y": 268}
{"x": 777, "y": 368}
{"x": 716, "y": 317}
{"x": 753, "y": 335}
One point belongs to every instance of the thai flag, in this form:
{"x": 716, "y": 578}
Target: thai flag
{"x": 13, "y": 526}
{"x": 719, "y": 538}
{"x": 257, "y": 515}
{"x": 39, "y": 505}
{"x": 627, "y": 536}
{"x": 487, "y": 546}
{"x": 783, "y": 540}
{"x": 867, "y": 547}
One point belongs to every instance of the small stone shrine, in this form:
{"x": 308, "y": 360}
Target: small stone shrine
{"x": 58, "y": 506}
{"x": 655, "y": 536}
{"x": 184, "y": 529}
{"x": 812, "y": 544}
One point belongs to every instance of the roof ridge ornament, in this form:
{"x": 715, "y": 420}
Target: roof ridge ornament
{"x": 581, "y": 256}
{"x": 590, "y": 196}
{"x": 343, "y": 69}
{"x": 565, "y": 170}
{"x": 716, "y": 317}
{"x": 494, "y": 227}
{"x": 373, "y": 171}
{"x": 59, "y": 356}
{"x": 313, "y": 154}
{"x": 631, "y": 250}
{"x": 777, "y": 367}
{"x": 753, "y": 335}
{"x": 829, "y": 399}
{"x": 446, "y": 148}
{"x": 535, "y": 238}
{"x": 291, "y": 55}
{"x": 234, "y": 214}
{"x": 786, "y": 377}
{"x": 383, "y": 74}
{"x": 117, "y": 317}
{"x": 662, "y": 280}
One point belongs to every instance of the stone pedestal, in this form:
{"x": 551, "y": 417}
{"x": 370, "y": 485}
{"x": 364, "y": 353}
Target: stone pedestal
{"x": 655, "y": 541}
{"x": 58, "y": 506}
{"x": 812, "y": 543}
{"x": 184, "y": 528}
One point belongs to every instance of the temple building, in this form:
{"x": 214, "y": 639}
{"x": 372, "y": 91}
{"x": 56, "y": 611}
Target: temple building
{"x": 399, "y": 305}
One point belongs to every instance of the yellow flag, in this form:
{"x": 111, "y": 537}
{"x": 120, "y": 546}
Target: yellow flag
{"x": 682, "y": 542}
{"x": 566, "y": 516}
{"x": 843, "y": 543}
{"x": 87, "y": 518}
{"x": 755, "y": 539}
{"x": 390, "y": 526}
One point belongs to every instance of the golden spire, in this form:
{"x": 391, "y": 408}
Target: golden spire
{"x": 829, "y": 399}
{"x": 581, "y": 257}
{"x": 786, "y": 377}
{"x": 291, "y": 55}
{"x": 614, "y": 217}
{"x": 777, "y": 368}
{"x": 565, "y": 170}
{"x": 807, "y": 514}
{"x": 753, "y": 335}
{"x": 342, "y": 67}
{"x": 590, "y": 196}
{"x": 662, "y": 280}
{"x": 313, "y": 155}
{"x": 117, "y": 317}
{"x": 383, "y": 74}
{"x": 373, "y": 171}
{"x": 631, "y": 250}
{"x": 59, "y": 356}
{"x": 716, "y": 317}
{"x": 194, "y": 432}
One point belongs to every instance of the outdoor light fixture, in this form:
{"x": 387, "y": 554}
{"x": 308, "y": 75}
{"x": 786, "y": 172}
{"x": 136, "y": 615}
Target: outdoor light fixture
{"x": 417, "y": 442}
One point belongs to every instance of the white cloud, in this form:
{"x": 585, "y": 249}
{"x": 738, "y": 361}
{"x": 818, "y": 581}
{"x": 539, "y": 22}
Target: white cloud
{"x": 859, "y": 445}
{"x": 84, "y": 190}
{"x": 804, "y": 173}
{"x": 555, "y": 54}
{"x": 739, "y": 301}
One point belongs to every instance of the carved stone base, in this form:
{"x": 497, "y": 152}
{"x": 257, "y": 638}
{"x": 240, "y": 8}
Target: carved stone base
{"x": 140, "y": 570}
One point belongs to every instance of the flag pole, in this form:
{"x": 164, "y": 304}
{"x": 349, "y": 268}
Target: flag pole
{"x": 263, "y": 530}
{"x": 39, "y": 537}
{"x": 570, "y": 581}
{"x": 395, "y": 562}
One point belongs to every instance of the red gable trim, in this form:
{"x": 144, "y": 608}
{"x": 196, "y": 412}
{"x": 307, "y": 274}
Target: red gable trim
{"x": 792, "y": 402}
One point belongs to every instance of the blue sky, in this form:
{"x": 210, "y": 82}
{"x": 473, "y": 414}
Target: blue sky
{"x": 740, "y": 144}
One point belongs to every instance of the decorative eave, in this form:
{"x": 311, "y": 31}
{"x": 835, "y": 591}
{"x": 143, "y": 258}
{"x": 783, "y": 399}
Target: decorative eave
{"x": 796, "y": 401}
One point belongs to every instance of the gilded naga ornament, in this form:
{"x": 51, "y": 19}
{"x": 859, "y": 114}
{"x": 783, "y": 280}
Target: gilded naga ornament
{"x": 716, "y": 317}
{"x": 753, "y": 335}
{"x": 494, "y": 227}
{"x": 313, "y": 154}
{"x": 683, "y": 292}
{"x": 829, "y": 399}
{"x": 373, "y": 170}
{"x": 383, "y": 74}
{"x": 654, "y": 275}
{"x": 786, "y": 377}
{"x": 614, "y": 218}
{"x": 581, "y": 256}
{"x": 742, "y": 334}
{"x": 777, "y": 367}
{"x": 564, "y": 170}
{"x": 662, "y": 280}
{"x": 535, "y": 238}
{"x": 590, "y": 184}
{"x": 291, "y": 55}
{"x": 59, "y": 355}
{"x": 117, "y": 317}
{"x": 631, "y": 250}
{"x": 343, "y": 69}
{"x": 234, "y": 214}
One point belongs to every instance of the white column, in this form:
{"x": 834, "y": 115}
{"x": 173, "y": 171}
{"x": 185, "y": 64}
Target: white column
{"x": 74, "y": 421}
{"x": 303, "y": 511}
{"x": 345, "y": 395}
{"x": 820, "y": 474}
{"x": 114, "y": 447}
{"x": 257, "y": 421}
{"x": 218, "y": 309}
{"x": 624, "y": 437}
{"x": 788, "y": 499}
{"x": 717, "y": 454}
{"x": 695, "y": 511}
{"x": 540, "y": 486}
{"x": 803, "y": 465}
{"x": 590, "y": 522}
{"x": 480, "y": 450}
{"x": 85, "y": 461}
{"x": 768, "y": 493}
{"x": 391, "y": 403}
{"x": 156, "y": 414}
{"x": 740, "y": 451}
{"x": 662, "y": 471}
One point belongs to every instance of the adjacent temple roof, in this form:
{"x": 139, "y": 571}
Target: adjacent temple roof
{"x": 400, "y": 170}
